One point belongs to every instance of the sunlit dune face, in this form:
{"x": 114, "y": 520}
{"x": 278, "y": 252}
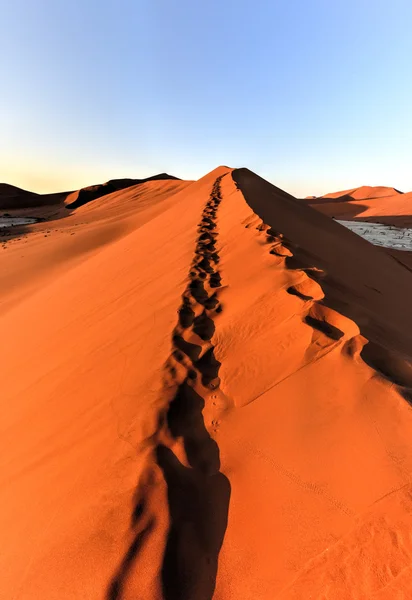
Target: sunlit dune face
{"x": 205, "y": 397}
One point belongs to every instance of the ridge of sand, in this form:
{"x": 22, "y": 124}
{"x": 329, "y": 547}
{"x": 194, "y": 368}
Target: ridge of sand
{"x": 15, "y": 198}
{"x": 93, "y": 192}
{"x": 376, "y": 204}
{"x": 220, "y": 433}
{"x": 364, "y": 192}
{"x": 32, "y": 256}
{"x": 12, "y": 197}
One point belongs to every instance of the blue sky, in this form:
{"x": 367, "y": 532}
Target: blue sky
{"x": 314, "y": 95}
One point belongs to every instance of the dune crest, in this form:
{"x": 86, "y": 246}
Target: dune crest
{"x": 365, "y": 192}
{"x": 376, "y": 204}
{"x": 12, "y": 197}
{"x": 88, "y": 194}
{"x": 214, "y": 404}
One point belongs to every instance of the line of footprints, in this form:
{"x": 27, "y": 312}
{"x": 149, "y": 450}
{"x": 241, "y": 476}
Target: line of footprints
{"x": 192, "y": 361}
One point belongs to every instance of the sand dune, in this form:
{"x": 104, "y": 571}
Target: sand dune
{"x": 364, "y": 192}
{"x": 34, "y": 254}
{"x": 87, "y": 194}
{"x": 378, "y": 204}
{"x": 12, "y": 197}
{"x": 205, "y": 395}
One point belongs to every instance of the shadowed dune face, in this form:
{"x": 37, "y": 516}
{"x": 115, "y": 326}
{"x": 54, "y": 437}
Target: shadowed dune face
{"x": 338, "y": 208}
{"x": 14, "y": 198}
{"x": 206, "y": 396}
{"x": 386, "y": 206}
{"x": 360, "y": 292}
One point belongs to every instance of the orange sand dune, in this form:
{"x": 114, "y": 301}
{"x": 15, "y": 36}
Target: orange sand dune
{"x": 87, "y": 194}
{"x": 213, "y": 402}
{"x": 37, "y": 252}
{"x": 364, "y": 192}
{"x": 382, "y": 204}
{"x": 14, "y": 198}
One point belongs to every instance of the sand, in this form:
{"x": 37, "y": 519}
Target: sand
{"x": 206, "y": 394}
{"x": 32, "y": 256}
{"x": 376, "y": 204}
{"x": 382, "y": 205}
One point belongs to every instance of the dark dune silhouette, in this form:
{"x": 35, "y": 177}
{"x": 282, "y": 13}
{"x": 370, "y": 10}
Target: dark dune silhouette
{"x": 12, "y": 197}
{"x": 92, "y": 192}
{"x": 15, "y": 198}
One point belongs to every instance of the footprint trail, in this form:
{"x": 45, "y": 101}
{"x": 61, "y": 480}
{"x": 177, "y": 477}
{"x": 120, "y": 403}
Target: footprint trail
{"x": 197, "y": 492}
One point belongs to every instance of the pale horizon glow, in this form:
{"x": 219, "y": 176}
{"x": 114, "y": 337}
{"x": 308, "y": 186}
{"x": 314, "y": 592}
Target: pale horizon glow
{"x": 315, "y": 97}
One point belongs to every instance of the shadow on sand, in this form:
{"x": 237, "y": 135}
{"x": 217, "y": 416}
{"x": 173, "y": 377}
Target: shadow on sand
{"x": 198, "y": 498}
{"x": 198, "y": 502}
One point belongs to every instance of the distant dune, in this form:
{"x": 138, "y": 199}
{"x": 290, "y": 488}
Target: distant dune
{"x": 12, "y": 197}
{"x": 364, "y": 192}
{"x": 206, "y": 393}
{"x": 385, "y": 204}
{"x": 87, "y": 194}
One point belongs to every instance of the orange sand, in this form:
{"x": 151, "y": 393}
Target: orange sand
{"x": 205, "y": 393}
{"x": 381, "y": 204}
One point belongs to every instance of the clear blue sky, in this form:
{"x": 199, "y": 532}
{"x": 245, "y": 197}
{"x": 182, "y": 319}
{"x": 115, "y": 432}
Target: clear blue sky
{"x": 314, "y": 95}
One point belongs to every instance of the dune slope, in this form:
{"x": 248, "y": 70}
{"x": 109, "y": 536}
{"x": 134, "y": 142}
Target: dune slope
{"x": 32, "y": 255}
{"x": 92, "y": 192}
{"x": 382, "y": 204}
{"x": 365, "y": 192}
{"x": 23, "y": 201}
{"x": 211, "y": 405}
{"x": 12, "y": 197}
